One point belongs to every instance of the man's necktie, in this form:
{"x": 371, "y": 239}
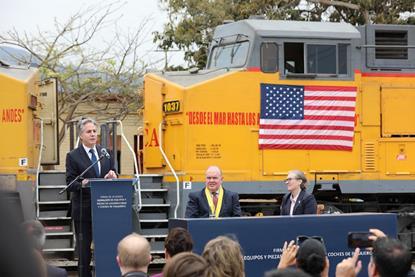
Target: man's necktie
{"x": 215, "y": 199}
{"x": 93, "y": 160}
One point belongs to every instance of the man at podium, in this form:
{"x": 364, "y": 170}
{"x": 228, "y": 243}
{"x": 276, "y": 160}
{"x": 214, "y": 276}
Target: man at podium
{"x": 213, "y": 200}
{"x": 77, "y": 161}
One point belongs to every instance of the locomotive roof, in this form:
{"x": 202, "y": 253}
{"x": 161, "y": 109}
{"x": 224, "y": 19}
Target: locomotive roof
{"x": 18, "y": 73}
{"x": 290, "y": 29}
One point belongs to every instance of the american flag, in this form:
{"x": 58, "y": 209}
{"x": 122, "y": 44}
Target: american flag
{"x": 307, "y": 117}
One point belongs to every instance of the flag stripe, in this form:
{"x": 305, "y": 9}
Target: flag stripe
{"x": 328, "y": 117}
{"x": 306, "y": 147}
{"x": 306, "y": 141}
{"x": 323, "y": 112}
{"x": 336, "y": 98}
{"x": 328, "y": 103}
{"x": 305, "y": 132}
{"x": 330, "y": 93}
{"x": 331, "y": 108}
{"x": 323, "y": 123}
{"x": 329, "y": 88}
{"x": 327, "y": 137}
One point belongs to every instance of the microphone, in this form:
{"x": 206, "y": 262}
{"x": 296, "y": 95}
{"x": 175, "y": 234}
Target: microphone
{"x": 105, "y": 153}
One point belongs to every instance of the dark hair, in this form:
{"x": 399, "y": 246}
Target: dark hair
{"x": 391, "y": 257}
{"x": 311, "y": 257}
{"x": 178, "y": 240}
{"x": 185, "y": 264}
{"x": 288, "y": 272}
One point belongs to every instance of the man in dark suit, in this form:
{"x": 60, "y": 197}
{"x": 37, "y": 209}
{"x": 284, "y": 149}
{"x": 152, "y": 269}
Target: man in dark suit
{"x": 213, "y": 200}
{"x": 76, "y": 162}
{"x": 297, "y": 200}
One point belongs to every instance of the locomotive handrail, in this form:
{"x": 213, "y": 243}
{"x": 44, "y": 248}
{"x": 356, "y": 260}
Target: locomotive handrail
{"x": 171, "y": 169}
{"x": 38, "y": 167}
{"x": 137, "y": 185}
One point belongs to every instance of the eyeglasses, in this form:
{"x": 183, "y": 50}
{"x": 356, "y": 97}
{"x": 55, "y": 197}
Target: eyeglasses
{"x": 302, "y": 238}
{"x": 290, "y": 179}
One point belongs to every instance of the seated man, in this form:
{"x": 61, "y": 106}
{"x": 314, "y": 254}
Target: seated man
{"x": 133, "y": 256}
{"x": 213, "y": 200}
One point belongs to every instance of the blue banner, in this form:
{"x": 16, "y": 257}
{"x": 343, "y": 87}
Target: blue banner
{"x": 262, "y": 238}
{"x": 111, "y": 202}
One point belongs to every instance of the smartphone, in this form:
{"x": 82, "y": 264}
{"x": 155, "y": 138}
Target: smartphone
{"x": 359, "y": 239}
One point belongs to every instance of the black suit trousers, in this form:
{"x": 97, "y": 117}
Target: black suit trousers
{"x": 83, "y": 234}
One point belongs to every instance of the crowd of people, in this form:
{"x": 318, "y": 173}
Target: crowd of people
{"x": 223, "y": 256}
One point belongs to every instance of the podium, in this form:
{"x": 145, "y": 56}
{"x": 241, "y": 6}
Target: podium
{"x": 111, "y": 206}
{"x": 262, "y": 238}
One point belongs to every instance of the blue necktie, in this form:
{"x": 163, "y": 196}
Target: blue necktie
{"x": 93, "y": 160}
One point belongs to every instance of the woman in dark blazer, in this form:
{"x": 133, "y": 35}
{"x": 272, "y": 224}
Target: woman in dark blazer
{"x": 297, "y": 200}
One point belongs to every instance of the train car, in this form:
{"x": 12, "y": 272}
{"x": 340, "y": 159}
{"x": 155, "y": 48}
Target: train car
{"x": 28, "y": 124}
{"x": 330, "y": 99}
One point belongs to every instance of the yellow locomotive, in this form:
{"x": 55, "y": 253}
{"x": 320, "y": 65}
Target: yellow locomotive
{"x": 350, "y": 127}
{"x": 28, "y": 123}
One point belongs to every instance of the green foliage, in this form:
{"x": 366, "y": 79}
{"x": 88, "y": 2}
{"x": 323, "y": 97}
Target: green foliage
{"x": 191, "y": 22}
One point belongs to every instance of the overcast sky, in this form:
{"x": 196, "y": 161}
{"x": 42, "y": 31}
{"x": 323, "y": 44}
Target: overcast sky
{"x": 28, "y": 15}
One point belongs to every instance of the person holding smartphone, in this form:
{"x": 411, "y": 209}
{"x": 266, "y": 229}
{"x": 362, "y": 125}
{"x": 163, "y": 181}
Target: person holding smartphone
{"x": 297, "y": 201}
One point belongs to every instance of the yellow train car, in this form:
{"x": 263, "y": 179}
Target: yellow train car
{"x": 24, "y": 98}
{"x": 330, "y": 99}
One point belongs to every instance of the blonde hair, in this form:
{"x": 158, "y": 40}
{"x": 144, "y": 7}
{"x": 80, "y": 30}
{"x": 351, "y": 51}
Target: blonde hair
{"x": 224, "y": 257}
{"x": 134, "y": 251}
{"x": 301, "y": 176}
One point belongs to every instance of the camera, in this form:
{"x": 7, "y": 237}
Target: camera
{"x": 359, "y": 239}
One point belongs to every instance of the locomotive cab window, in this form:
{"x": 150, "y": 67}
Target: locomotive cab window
{"x": 269, "y": 57}
{"x": 230, "y": 55}
{"x": 316, "y": 59}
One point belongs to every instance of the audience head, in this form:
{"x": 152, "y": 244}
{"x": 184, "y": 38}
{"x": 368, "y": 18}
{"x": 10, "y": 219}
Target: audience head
{"x": 390, "y": 258}
{"x": 178, "y": 240}
{"x": 224, "y": 257}
{"x": 286, "y": 273}
{"x": 312, "y": 257}
{"x": 35, "y": 232}
{"x": 185, "y": 264}
{"x": 133, "y": 254}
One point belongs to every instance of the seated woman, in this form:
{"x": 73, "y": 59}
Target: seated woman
{"x": 297, "y": 200}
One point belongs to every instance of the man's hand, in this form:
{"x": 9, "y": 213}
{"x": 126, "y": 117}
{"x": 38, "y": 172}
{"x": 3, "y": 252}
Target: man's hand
{"x": 288, "y": 255}
{"x": 349, "y": 267}
{"x": 111, "y": 175}
{"x": 84, "y": 182}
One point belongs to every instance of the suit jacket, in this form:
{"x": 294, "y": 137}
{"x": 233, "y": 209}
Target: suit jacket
{"x": 198, "y": 206}
{"x": 135, "y": 274}
{"x": 76, "y": 162}
{"x": 305, "y": 204}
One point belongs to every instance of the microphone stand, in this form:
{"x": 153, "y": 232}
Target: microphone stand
{"x": 81, "y": 175}
{"x": 81, "y": 236}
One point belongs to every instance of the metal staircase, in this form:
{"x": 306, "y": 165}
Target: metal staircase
{"x": 154, "y": 214}
{"x": 52, "y": 211}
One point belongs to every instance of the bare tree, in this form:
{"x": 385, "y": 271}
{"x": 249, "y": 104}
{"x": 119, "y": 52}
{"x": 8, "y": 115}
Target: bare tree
{"x": 107, "y": 78}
